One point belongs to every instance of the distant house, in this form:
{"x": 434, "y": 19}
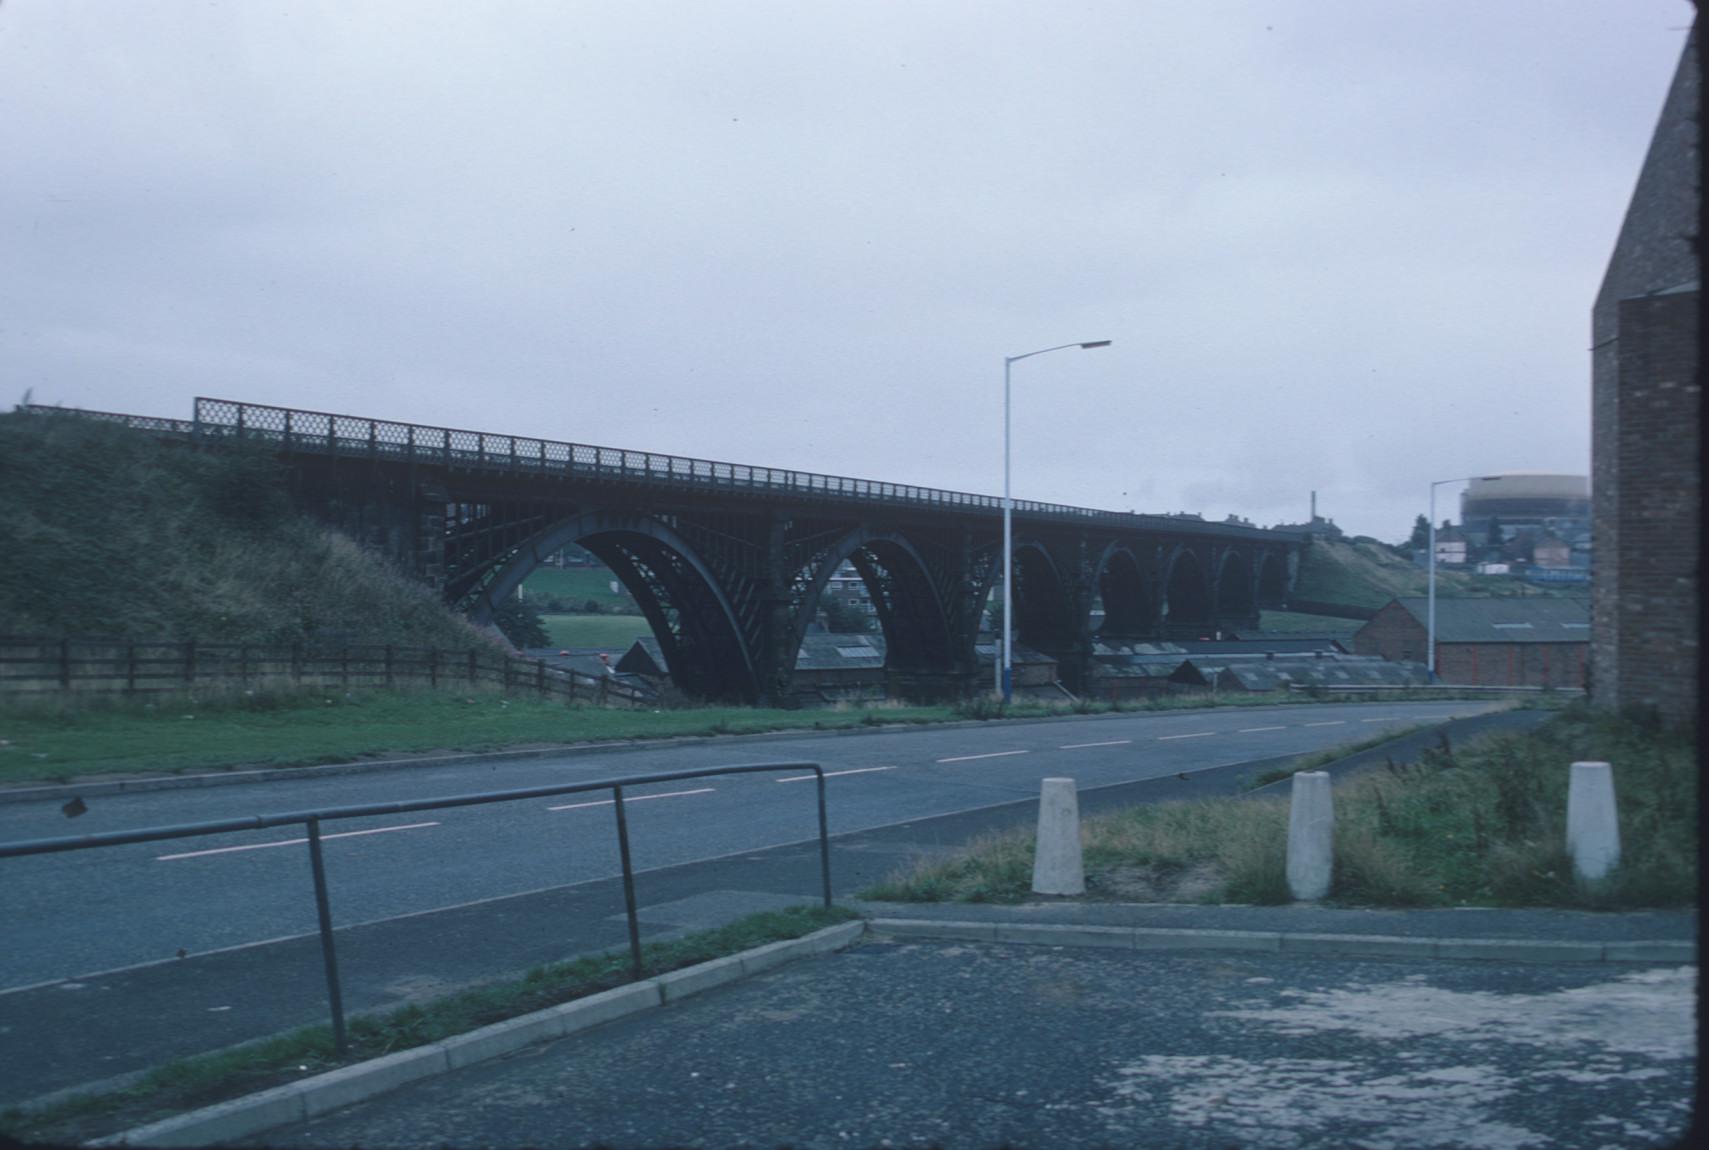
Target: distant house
{"x": 1506, "y": 642}
{"x": 1451, "y": 547}
{"x": 1550, "y": 550}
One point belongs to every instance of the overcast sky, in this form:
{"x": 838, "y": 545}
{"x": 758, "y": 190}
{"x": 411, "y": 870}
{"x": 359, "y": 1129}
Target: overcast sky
{"x": 1341, "y": 246}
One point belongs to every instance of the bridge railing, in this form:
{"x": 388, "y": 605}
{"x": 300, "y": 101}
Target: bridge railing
{"x": 320, "y": 432}
{"x": 327, "y": 433}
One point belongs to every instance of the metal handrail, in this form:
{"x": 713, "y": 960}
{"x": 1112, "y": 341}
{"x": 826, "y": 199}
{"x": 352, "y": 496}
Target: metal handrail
{"x": 328, "y": 433}
{"x": 311, "y": 820}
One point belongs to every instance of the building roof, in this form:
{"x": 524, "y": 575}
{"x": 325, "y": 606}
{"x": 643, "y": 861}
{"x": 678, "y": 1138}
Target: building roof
{"x": 1505, "y": 620}
{"x": 1321, "y": 670}
{"x": 1269, "y": 644}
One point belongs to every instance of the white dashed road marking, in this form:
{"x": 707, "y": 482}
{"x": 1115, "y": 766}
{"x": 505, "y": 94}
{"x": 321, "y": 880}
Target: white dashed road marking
{"x": 1194, "y": 735}
{"x": 992, "y": 755}
{"x": 627, "y": 799}
{"x": 1376, "y": 720}
{"x": 834, "y": 774}
{"x": 1249, "y": 730}
{"x": 1330, "y": 723}
{"x": 289, "y": 842}
{"x": 1109, "y": 743}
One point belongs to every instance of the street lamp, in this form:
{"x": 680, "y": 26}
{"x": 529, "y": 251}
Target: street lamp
{"x": 1430, "y": 623}
{"x": 1004, "y": 667}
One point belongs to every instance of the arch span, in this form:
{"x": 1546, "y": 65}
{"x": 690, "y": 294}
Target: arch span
{"x": 1129, "y": 595}
{"x": 1187, "y": 605}
{"x": 911, "y": 612}
{"x": 1236, "y": 591}
{"x": 684, "y": 604}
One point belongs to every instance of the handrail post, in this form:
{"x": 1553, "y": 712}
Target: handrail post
{"x": 824, "y": 837}
{"x": 628, "y": 883}
{"x": 329, "y": 956}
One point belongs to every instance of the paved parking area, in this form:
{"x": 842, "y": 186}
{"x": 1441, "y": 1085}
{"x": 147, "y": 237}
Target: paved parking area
{"x": 905, "y": 1043}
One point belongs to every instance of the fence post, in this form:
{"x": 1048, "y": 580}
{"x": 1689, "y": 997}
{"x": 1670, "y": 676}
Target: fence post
{"x": 130, "y": 668}
{"x": 65, "y": 664}
{"x": 433, "y": 666}
{"x": 628, "y": 883}
{"x": 824, "y": 837}
{"x": 540, "y": 677}
{"x": 296, "y": 662}
{"x": 604, "y": 681}
{"x": 329, "y": 956}
{"x": 344, "y": 667}
{"x": 190, "y": 663}
{"x": 388, "y": 664}
{"x": 242, "y": 664}
{"x": 471, "y": 666}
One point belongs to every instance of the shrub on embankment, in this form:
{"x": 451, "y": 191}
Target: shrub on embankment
{"x": 1483, "y": 825}
{"x": 114, "y": 533}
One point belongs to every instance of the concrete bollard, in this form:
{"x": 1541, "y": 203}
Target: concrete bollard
{"x": 1056, "y": 858}
{"x": 1311, "y": 836}
{"x": 1593, "y": 824}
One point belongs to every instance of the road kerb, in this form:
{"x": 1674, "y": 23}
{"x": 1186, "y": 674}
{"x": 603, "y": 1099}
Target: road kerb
{"x": 253, "y": 1114}
{"x": 1287, "y": 942}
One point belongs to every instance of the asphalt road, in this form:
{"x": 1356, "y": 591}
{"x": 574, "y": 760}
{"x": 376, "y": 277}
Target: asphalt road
{"x": 979, "y": 1045}
{"x": 94, "y": 911}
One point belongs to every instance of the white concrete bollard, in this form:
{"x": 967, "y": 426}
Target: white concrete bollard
{"x": 1593, "y": 824}
{"x": 1311, "y": 836}
{"x": 1056, "y": 858}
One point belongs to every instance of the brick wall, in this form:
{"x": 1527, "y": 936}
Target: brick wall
{"x": 1512, "y": 664}
{"x": 1394, "y": 634}
{"x": 1644, "y": 428}
{"x": 1654, "y": 617}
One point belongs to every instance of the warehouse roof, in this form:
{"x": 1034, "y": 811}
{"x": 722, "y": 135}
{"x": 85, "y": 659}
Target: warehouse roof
{"x": 1503, "y": 620}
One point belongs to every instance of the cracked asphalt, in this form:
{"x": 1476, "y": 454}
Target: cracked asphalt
{"x": 897, "y": 1044}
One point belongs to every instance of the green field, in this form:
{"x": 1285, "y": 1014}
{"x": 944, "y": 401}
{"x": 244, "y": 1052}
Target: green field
{"x": 617, "y": 632}
{"x": 577, "y": 585}
{"x": 1294, "y": 623}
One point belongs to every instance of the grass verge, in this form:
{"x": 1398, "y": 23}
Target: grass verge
{"x": 189, "y": 1083}
{"x": 81, "y": 738}
{"x": 1476, "y": 826}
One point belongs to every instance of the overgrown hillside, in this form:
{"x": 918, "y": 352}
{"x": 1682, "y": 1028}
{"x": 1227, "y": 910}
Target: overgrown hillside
{"x": 108, "y": 532}
{"x": 1368, "y": 574}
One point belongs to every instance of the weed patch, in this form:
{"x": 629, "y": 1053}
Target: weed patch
{"x": 1479, "y": 825}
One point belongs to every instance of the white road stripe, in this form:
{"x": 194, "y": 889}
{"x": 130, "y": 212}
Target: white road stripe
{"x": 627, "y": 799}
{"x": 834, "y": 774}
{"x": 289, "y": 842}
{"x": 970, "y": 758}
{"x": 1077, "y": 746}
{"x": 1194, "y": 735}
{"x": 1329, "y": 723}
{"x": 1377, "y": 720}
{"x": 1249, "y": 730}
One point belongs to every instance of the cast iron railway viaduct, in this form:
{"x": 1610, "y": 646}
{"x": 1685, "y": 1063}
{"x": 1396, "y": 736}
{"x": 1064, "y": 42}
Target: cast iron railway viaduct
{"x": 728, "y": 561}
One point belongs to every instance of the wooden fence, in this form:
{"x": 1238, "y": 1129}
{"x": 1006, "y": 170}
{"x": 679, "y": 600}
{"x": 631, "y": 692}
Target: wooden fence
{"x": 35, "y": 668}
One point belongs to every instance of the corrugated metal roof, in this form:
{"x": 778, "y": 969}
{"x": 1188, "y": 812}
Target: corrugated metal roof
{"x": 1505, "y": 620}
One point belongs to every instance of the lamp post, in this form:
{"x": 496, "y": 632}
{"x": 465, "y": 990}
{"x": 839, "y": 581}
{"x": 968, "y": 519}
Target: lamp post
{"x": 1430, "y": 612}
{"x": 1004, "y": 666}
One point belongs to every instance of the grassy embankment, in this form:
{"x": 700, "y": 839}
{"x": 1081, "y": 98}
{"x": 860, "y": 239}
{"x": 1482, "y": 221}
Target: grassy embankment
{"x": 1369, "y": 575}
{"x": 1479, "y": 826}
{"x": 188, "y": 1083}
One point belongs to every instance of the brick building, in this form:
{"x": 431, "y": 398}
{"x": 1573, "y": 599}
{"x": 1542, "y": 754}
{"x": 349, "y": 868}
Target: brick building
{"x": 1506, "y": 642}
{"x": 1645, "y": 401}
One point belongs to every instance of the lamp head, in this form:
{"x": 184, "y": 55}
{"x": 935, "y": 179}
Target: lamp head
{"x": 1095, "y": 343}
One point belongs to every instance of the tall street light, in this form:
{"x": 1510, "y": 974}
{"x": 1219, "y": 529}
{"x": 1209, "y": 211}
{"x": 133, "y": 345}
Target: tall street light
{"x": 1430, "y": 623}
{"x": 1004, "y": 667}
